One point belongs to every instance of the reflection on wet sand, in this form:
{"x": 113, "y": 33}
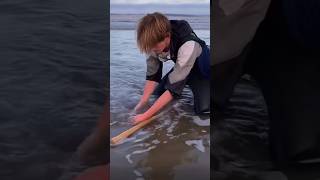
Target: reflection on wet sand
{"x": 160, "y": 163}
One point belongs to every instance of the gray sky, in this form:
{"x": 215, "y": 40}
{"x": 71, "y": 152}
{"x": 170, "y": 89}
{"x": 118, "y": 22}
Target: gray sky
{"x": 159, "y": 1}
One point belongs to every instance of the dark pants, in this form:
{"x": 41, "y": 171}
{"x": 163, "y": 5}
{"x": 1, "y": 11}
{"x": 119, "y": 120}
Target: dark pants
{"x": 224, "y": 77}
{"x": 200, "y": 87}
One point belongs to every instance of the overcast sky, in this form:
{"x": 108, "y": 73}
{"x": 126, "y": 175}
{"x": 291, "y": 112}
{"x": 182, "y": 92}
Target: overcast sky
{"x": 159, "y": 1}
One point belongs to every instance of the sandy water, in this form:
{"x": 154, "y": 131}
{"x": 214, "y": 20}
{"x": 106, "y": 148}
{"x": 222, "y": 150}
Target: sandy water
{"x": 52, "y": 85}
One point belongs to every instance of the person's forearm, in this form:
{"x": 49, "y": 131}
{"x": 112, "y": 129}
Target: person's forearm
{"x": 163, "y": 100}
{"x": 148, "y": 90}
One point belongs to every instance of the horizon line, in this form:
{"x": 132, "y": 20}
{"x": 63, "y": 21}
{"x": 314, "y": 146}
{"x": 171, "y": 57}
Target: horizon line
{"x": 191, "y": 3}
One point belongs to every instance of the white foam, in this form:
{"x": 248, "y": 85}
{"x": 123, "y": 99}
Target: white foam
{"x": 171, "y": 136}
{"x": 128, "y": 156}
{"x": 201, "y": 122}
{"x": 161, "y": 125}
{"x": 137, "y": 173}
{"x": 172, "y": 126}
{"x": 166, "y": 122}
{"x": 139, "y": 145}
{"x": 198, "y": 144}
{"x": 142, "y": 133}
{"x": 143, "y": 138}
{"x": 113, "y": 123}
{"x": 156, "y": 141}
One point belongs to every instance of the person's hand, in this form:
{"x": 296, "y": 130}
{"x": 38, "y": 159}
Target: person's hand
{"x": 138, "y": 118}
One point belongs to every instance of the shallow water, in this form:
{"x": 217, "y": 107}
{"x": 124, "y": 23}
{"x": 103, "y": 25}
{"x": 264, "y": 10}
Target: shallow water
{"x": 126, "y": 16}
{"x": 175, "y": 146}
{"x": 181, "y": 9}
{"x": 129, "y": 21}
{"x": 240, "y": 136}
{"x": 52, "y": 80}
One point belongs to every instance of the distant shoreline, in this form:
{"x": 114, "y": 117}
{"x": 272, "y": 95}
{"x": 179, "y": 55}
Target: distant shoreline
{"x": 119, "y": 21}
{"x": 170, "y": 14}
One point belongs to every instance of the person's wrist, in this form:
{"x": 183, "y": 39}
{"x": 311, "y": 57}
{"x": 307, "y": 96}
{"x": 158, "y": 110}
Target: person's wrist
{"x": 146, "y": 114}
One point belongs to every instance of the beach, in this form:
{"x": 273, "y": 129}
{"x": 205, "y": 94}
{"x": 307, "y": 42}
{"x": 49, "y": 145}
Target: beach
{"x": 174, "y": 146}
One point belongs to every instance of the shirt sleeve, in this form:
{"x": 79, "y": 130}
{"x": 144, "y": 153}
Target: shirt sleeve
{"x": 187, "y": 55}
{"x": 154, "y": 69}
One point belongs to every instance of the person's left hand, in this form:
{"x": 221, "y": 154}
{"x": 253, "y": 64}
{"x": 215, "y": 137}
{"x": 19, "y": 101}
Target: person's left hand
{"x": 138, "y": 118}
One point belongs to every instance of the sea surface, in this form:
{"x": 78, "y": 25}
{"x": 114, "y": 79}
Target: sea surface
{"x": 126, "y": 16}
{"x": 178, "y": 9}
{"x": 53, "y": 58}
